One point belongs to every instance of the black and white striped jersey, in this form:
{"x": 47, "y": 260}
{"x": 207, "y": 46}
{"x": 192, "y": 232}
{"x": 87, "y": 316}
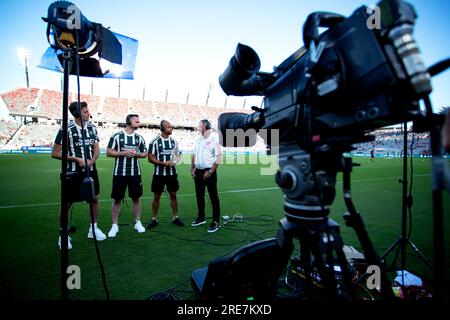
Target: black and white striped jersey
{"x": 121, "y": 141}
{"x": 164, "y": 150}
{"x": 75, "y": 143}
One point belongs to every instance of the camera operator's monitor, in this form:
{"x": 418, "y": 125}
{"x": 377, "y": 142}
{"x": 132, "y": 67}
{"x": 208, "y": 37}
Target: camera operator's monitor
{"x": 251, "y": 272}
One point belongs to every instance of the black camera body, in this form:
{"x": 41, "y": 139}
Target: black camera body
{"x": 348, "y": 80}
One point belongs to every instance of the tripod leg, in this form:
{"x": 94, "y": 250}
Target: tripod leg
{"x": 353, "y": 219}
{"x": 305, "y": 262}
{"x": 389, "y": 250}
{"x": 347, "y": 277}
{"x": 326, "y": 273}
{"x": 397, "y": 251}
{"x": 417, "y": 251}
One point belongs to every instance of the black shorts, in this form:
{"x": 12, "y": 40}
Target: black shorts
{"x": 74, "y": 182}
{"x": 120, "y": 184}
{"x": 159, "y": 182}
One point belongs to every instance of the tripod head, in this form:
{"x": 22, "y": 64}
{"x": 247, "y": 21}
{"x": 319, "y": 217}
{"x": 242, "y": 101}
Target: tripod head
{"x": 307, "y": 181}
{"x": 308, "y": 177}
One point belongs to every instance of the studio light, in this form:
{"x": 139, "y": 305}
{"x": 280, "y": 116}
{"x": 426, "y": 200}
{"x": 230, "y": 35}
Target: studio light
{"x": 100, "y": 50}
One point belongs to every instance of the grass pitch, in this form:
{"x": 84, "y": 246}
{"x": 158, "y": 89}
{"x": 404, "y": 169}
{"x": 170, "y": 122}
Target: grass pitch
{"x": 138, "y": 266}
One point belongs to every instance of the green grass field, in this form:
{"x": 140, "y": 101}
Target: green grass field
{"x": 140, "y": 265}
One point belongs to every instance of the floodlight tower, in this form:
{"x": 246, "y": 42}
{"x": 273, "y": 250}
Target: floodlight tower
{"x": 24, "y": 57}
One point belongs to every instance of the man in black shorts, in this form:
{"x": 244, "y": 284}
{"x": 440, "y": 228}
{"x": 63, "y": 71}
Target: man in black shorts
{"x": 163, "y": 152}
{"x": 127, "y": 147}
{"x": 78, "y": 159}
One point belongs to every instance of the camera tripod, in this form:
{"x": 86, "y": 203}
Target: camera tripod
{"x": 319, "y": 243}
{"x": 403, "y": 240}
{"x": 306, "y": 209}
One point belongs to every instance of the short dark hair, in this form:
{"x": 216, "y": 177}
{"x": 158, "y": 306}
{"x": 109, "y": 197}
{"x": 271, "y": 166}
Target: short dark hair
{"x": 129, "y": 117}
{"x": 73, "y": 108}
{"x": 206, "y": 123}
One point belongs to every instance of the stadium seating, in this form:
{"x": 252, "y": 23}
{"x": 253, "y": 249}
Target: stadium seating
{"x": 143, "y": 108}
{"x": 20, "y": 101}
{"x": 7, "y": 130}
{"x": 34, "y": 134}
{"x": 47, "y": 105}
{"x": 114, "y": 109}
{"x": 389, "y": 143}
{"x": 92, "y": 101}
{"x": 50, "y": 104}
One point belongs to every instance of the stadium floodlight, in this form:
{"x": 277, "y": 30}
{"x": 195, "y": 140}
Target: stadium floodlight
{"x": 98, "y": 47}
{"x": 24, "y": 57}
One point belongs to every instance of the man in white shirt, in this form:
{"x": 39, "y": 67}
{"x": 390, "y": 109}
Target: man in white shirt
{"x": 205, "y": 160}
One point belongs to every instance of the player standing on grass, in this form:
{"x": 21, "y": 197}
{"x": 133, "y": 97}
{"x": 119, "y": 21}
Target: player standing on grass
{"x": 127, "y": 147}
{"x": 76, "y": 163}
{"x": 163, "y": 152}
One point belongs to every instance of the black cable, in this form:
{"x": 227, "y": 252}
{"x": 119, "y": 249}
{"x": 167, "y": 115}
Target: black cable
{"x": 170, "y": 294}
{"x": 97, "y": 252}
{"x": 165, "y": 296}
{"x": 83, "y": 134}
{"x": 262, "y": 218}
{"x": 91, "y": 211}
{"x": 73, "y": 226}
{"x": 409, "y": 197}
{"x": 218, "y": 244}
{"x": 244, "y": 239}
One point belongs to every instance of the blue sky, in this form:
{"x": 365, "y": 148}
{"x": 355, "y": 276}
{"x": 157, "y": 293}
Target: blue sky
{"x": 185, "y": 45}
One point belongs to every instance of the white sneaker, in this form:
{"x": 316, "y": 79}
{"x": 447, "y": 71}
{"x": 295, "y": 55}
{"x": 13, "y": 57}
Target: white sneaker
{"x": 113, "y": 232}
{"x": 98, "y": 234}
{"x": 138, "y": 227}
{"x": 69, "y": 243}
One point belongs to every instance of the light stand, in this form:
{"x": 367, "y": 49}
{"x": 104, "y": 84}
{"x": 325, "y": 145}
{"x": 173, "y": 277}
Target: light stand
{"x": 403, "y": 241}
{"x": 72, "y": 37}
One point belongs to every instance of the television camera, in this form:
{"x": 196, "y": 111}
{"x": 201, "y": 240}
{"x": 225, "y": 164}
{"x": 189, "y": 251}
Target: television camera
{"x": 328, "y": 95}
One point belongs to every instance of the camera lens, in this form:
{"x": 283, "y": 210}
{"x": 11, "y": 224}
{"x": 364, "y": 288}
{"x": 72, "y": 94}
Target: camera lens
{"x": 360, "y": 115}
{"x": 373, "y": 112}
